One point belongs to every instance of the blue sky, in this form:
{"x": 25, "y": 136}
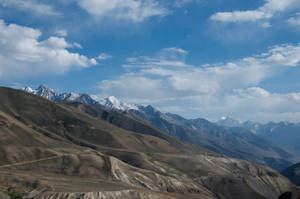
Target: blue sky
{"x": 197, "y": 58}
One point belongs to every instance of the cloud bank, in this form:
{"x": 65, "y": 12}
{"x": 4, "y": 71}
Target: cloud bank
{"x": 214, "y": 90}
{"x": 267, "y": 11}
{"x": 30, "y": 5}
{"x": 132, "y": 10}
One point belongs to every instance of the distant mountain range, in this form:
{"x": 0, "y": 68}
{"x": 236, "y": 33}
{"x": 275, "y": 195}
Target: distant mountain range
{"x": 109, "y": 102}
{"x": 233, "y": 142}
{"x": 284, "y": 134}
{"x": 229, "y": 137}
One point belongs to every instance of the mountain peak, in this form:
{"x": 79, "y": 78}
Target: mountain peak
{"x": 28, "y": 89}
{"x": 110, "y": 102}
{"x": 230, "y": 122}
{"x": 45, "y": 92}
{"x": 42, "y": 86}
{"x": 114, "y": 103}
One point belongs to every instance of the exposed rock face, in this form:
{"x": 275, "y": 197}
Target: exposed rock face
{"x": 124, "y": 194}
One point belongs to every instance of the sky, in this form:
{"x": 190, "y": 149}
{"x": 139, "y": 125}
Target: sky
{"x": 196, "y": 58}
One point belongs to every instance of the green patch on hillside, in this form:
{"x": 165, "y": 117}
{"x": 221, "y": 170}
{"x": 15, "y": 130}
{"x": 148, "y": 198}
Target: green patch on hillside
{"x": 15, "y": 193}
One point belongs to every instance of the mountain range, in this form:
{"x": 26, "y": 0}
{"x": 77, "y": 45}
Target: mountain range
{"x": 222, "y": 138}
{"x": 109, "y": 102}
{"x": 54, "y": 150}
{"x": 284, "y": 134}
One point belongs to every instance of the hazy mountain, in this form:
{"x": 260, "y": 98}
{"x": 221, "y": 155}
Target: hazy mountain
{"x": 233, "y": 142}
{"x": 284, "y": 134}
{"x": 229, "y": 122}
{"x": 77, "y": 151}
{"x": 293, "y": 173}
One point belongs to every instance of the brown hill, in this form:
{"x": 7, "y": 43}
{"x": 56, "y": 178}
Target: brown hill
{"x": 57, "y": 151}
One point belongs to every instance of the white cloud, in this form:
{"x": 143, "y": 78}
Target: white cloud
{"x": 252, "y": 103}
{"x": 23, "y": 54}
{"x": 259, "y": 104}
{"x": 216, "y": 89}
{"x": 266, "y": 25}
{"x": 172, "y": 57}
{"x": 186, "y": 82}
{"x": 295, "y": 20}
{"x": 266, "y": 11}
{"x": 76, "y": 45}
{"x": 61, "y": 32}
{"x": 240, "y": 16}
{"x": 285, "y": 55}
{"x": 133, "y": 10}
{"x": 30, "y": 5}
{"x": 181, "y": 3}
{"x": 104, "y": 56}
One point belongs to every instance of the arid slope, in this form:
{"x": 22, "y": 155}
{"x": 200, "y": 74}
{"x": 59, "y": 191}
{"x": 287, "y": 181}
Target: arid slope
{"x": 58, "y": 151}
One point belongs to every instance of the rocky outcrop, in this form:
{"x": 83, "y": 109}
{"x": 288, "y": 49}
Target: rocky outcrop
{"x": 124, "y": 194}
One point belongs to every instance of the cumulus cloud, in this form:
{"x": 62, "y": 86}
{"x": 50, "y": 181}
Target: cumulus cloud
{"x": 23, "y": 54}
{"x": 133, "y": 10}
{"x": 216, "y": 88}
{"x": 264, "y": 105}
{"x": 30, "y": 5}
{"x": 285, "y": 55}
{"x": 266, "y": 11}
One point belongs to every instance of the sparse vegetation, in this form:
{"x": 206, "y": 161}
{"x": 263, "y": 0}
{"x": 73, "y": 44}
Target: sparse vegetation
{"x": 15, "y": 193}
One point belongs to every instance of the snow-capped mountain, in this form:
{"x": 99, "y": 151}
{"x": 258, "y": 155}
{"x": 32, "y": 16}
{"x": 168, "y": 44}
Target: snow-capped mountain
{"x": 42, "y": 91}
{"x": 284, "y": 134}
{"x": 113, "y": 103}
{"x": 229, "y": 122}
{"x": 109, "y": 102}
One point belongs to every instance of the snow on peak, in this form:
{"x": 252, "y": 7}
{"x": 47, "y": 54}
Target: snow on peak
{"x": 45, "y": 92}
{"x": 73, "y": 96}
{"x": 28, "y": 89}
{"x": 42, "y": 91}
{"x": 223, "y": 118}
{"x": 110, "y": 102}
{"x": 114, "y": 103}
{"x": 230, "y": 122}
